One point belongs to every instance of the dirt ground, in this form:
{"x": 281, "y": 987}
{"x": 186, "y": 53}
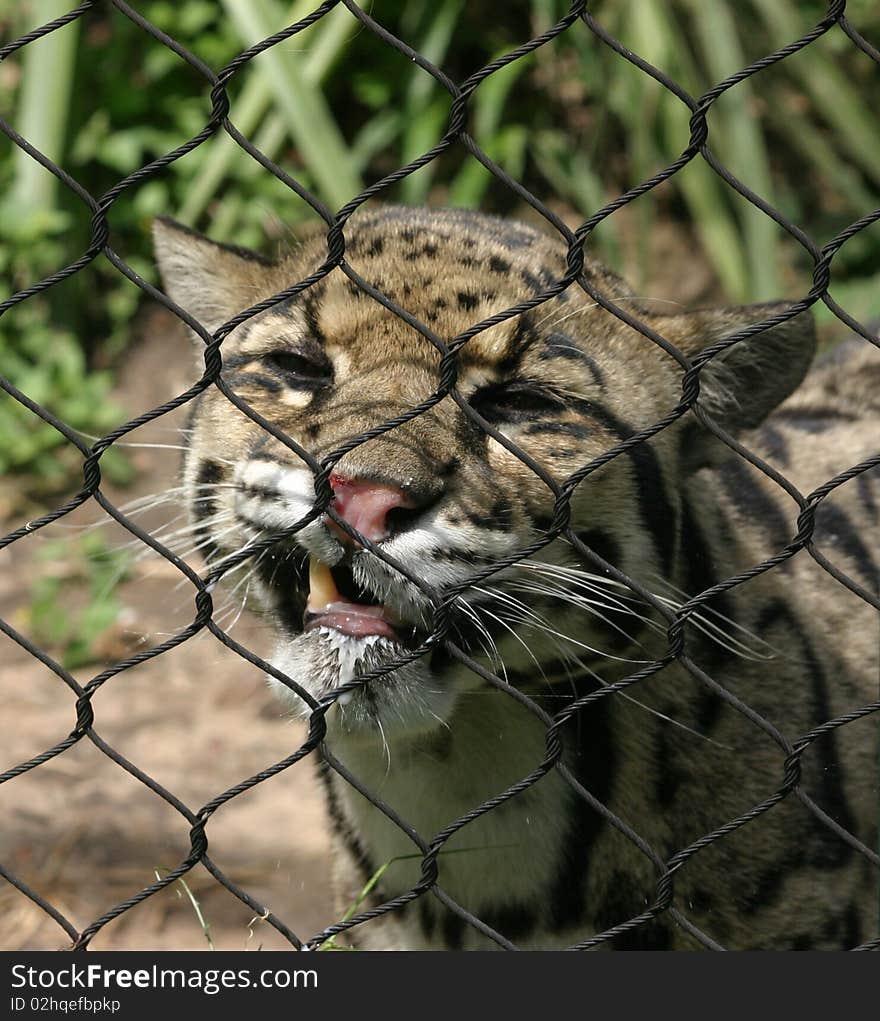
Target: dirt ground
{"x": 82, "y": 832}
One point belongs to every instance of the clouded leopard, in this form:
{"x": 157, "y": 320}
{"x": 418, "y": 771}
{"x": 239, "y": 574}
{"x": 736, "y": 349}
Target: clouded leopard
{"x": 673, "y": 756}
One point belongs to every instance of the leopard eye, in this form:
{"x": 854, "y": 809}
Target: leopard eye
{"x": 515, "y": 401}
{"x": 300, "y": 371}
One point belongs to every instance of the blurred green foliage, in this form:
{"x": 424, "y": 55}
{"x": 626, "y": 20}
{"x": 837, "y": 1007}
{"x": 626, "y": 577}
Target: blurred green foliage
{"x": 75, "y": 633}
{"x": 338, "y": 108}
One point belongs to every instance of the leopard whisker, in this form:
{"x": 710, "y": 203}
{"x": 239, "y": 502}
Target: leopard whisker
{"x": 519, "y": 638}
{"x": 566, "y": 595}
{"x": 717, "y": 613}
{"x": 595, "y": 304}
{"x": 650, "y": 709}
{"x": 140, "y": 505}
{"x": 562, "y": 595}
{"x": 495, "y": 658}
{"x": 596, "y": 583}
{"x": 211, "y": 540}
{"x": 589, "y": 648}
{"x": 228, "y": 627}
{"x": 151, "y": 446}
{"x": 699, "y": 620}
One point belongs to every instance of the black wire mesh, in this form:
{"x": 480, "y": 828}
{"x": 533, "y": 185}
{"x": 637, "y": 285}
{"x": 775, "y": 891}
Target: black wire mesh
{"x": 578, "y": 19}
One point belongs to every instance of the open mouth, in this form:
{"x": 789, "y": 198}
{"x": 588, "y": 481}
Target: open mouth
{"x": 337, "y": 601}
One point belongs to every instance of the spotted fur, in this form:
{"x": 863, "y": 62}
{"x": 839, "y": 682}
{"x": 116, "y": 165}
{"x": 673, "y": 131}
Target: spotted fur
{"x": 565, "y": 382}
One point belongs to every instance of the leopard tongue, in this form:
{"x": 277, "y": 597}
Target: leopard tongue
{"x": 325, "y": 607}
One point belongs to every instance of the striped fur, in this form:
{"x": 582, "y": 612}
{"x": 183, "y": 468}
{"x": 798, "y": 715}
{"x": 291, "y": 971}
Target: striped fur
{"x": 565, "y": 382}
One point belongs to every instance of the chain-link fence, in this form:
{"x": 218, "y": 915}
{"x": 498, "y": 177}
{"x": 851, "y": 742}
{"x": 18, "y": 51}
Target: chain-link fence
{"x": 430, "y": 847}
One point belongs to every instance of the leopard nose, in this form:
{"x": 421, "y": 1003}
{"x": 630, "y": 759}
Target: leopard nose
{"x": 367, "y": 505}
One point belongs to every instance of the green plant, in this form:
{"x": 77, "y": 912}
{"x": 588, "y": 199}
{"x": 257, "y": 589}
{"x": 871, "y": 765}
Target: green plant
{"x": 72, "y": 603}
{"x": 204, "y": 924}
{"x": 375, "y": 878}
{"x": 40, "y": 350}
{"x": 798, "y": 133}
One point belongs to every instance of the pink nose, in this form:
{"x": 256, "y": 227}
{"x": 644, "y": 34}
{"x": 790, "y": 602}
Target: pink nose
{"x": 365, "y": 504}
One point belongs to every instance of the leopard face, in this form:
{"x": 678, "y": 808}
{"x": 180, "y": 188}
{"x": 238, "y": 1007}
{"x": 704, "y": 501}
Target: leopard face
{"x": 470, "y": 481}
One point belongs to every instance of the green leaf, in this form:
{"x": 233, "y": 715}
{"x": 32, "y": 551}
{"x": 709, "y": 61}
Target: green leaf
{"x": 309, "y": 118}
{"x": 740, "y": 144}
{"x": 839, "y": 101}
{"x": 48, "y": 68}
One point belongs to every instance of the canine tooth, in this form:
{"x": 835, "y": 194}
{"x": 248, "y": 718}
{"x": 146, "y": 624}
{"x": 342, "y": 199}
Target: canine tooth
{"x": 322, "y": 587}
{"x": 345, "y": 697}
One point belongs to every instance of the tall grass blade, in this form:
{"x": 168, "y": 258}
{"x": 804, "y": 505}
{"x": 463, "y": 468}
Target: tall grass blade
{"x": 312, "y": 126}
{"x": 735, "y": 133}
{"x": 424, "y": 114}
{"x": 46, "y": 88}
{"x": 488, "y": 104}
{"x": 852, "y": 119}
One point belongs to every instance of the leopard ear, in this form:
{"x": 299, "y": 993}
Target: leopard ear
{"x": 743, "y": 384}
{"x": 210, "y": 281}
